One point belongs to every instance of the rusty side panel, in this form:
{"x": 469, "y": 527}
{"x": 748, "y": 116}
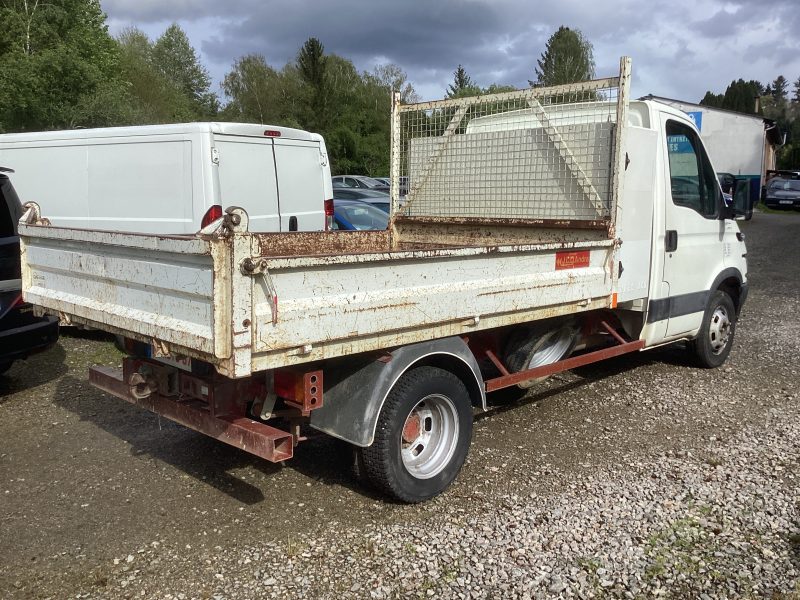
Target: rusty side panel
{"x": 412, "y": 233}
{"x": 315, "y": 243}
{"x": 479, "y": 233}
{"x": 487, "y": 222}
{"x": 356, "y": 344}
{"x": 222, "y": 271}
{"x": 140, "y": 241}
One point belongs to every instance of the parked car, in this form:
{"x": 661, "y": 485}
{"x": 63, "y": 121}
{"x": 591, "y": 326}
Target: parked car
{"x": 376, "y": 198}
{"x": 21, "y": 333}
{"x": 403, "y": 181}
{"x": 355, "y": 215}
{"x": 360, "y": 181}
{"x": 783, "y": 193}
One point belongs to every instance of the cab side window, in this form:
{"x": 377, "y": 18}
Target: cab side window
{"x": 694, "y": 184}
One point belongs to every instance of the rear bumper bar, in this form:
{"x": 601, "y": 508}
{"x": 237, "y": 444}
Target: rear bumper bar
{"x": 246, "y": 434}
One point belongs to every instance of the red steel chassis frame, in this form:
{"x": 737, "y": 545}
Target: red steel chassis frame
{"x": 507, "y": 379}
{"x": 217, "y": 406}
{"x": 212, "y": 405}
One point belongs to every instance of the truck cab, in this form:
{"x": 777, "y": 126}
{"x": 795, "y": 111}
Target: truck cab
{"x": 698, "y": 251}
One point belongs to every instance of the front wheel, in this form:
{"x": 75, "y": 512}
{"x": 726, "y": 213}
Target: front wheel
{"x": 715, "y": 339}
{"x": 422, "y": 436}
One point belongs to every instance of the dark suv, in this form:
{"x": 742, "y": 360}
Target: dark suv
{"x": 21, "y": 333}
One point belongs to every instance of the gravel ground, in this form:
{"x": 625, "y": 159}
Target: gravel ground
{"x": 638, "y": 477}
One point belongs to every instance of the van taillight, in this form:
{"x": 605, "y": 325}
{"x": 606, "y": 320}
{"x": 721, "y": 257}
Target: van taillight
{"x": 212, "y": 214}
{"x": 328, "y": 214}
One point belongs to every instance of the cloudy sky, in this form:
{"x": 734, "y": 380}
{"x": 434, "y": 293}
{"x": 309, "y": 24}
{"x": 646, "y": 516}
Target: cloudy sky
{"x": 680, "y": 48}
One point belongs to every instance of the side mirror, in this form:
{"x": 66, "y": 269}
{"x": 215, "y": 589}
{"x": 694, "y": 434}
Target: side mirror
{"x": 742, "y": 203}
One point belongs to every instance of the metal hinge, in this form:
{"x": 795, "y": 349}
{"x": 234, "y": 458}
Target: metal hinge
{"x": 215, "y": 156}
{"x": 258, "y": 266}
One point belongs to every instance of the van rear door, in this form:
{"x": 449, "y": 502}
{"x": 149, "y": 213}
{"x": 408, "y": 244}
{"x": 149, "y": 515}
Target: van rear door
{"x": 247, "y": 179}
{"x": 301, "y": 181}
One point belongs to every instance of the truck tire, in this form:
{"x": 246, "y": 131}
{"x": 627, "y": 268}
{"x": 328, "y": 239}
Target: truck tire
{"x": 542, "y": 344}
{"x": 713, "y": 343}
{"x": 422, "y": 435}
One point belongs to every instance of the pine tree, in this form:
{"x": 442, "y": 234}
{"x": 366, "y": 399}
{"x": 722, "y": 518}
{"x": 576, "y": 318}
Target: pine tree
{"x": 312, "y": 66}
{"x": 567, "y": 58}
{"x": 779, "y": 87}
{"x": 462, "y": 84}
{"x": 177, "y": 60}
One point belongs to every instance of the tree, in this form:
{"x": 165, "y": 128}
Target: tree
{"x": 779, "y": 87}
{"x": 796, "y": 91}
{"x": 496, "y": 88}
{"x": 712, "y": 99}
{"x": 56, "y": 61}
{"x": 260, "y": 94}
{"x": 568, "y": 57}
{"x": 312, "y": 67}
{"x": 153, "y": 97}
{"x": 176, "y": 59}
{"x": 739, "y": 96}
{"x": 395, "y": 78}
{"x": 462, "y": 85}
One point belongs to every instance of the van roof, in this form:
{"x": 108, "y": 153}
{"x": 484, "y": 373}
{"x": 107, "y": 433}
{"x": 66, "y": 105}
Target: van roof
{"x": 241, "y": 129}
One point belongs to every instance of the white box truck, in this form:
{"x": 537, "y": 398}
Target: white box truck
{"x": 173, "y": 179}
{"x": 543, "y": 230}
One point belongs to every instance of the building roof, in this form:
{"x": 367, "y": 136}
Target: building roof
{"x": 774, "y": 135}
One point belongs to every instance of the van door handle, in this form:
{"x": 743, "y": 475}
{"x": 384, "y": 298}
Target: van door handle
{"x": 671, "y": 240}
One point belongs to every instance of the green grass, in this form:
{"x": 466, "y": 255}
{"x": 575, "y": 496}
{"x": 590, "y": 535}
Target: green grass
{"x": 774, "y": 211}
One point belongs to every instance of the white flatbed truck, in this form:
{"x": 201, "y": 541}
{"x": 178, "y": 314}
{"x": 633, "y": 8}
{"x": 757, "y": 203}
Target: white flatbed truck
{"x": 543, "y": 230}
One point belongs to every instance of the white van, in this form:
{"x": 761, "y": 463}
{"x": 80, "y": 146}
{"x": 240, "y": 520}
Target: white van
{"x": 173, "y": 179}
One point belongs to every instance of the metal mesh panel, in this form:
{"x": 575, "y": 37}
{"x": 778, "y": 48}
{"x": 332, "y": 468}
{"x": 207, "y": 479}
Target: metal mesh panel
{"x": 536, "y": 154}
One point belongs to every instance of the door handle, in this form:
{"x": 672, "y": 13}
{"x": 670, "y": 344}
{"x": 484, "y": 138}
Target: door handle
{"x": 671, "y": 240}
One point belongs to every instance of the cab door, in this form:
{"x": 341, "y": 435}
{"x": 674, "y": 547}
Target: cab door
{"x": 693, "y": 236}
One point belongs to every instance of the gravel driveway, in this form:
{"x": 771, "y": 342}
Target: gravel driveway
{"x": 638, "y": 477}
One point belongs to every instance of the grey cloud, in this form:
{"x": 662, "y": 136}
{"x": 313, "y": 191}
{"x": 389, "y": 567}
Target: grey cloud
{"x": 156, "y": 11}
{"x": 497, "y": 41}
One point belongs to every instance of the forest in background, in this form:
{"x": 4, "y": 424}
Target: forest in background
{"x": 60, "y": 68}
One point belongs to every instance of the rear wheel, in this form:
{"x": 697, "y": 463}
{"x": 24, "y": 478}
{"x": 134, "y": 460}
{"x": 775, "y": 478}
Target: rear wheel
{"x": 422, "y": 436}
{"x": 715, "y": 339}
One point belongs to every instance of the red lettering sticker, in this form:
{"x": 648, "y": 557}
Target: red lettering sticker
{"x": 572, "y": 260}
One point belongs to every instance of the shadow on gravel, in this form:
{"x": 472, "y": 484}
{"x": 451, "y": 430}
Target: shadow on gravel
{"x": 37, "y": 370}
{"x": 86, "y": 334}
{"x": 195, "y": 454}
{"x": 199, "y": 456}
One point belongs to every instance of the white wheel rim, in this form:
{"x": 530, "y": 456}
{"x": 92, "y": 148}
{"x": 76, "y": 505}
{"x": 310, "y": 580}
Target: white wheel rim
{"x": 719, "y": 330}
{"x": 429, "y": 436}
{"x": 552, "y": 349}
